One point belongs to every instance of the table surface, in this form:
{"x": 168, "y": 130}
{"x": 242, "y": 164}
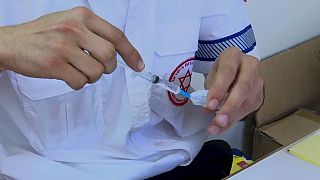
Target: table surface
{"x": 281, "y": 165}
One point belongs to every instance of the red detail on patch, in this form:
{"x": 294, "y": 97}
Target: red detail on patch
{"x": 185, "y": 86}
{"x": 243, "y": 164}
{"x": 182, "y": 76}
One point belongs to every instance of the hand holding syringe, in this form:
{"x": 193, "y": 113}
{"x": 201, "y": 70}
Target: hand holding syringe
{"x": 198, "y": 98}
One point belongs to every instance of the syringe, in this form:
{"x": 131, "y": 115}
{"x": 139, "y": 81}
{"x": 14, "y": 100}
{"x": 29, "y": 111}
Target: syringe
{"x": 197, "y": 98}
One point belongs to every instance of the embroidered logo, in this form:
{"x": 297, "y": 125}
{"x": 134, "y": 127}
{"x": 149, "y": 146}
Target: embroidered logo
{"x": 182, "y": 77}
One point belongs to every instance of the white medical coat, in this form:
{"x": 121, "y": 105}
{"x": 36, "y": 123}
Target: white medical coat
{"x": 119, "y": 127}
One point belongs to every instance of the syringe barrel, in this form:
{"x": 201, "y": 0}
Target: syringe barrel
{"x": 147, "y": 76}
{"x": 169, "y": 86}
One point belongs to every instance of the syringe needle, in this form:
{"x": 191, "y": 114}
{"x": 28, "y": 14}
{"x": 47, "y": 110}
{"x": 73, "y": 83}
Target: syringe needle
{"x": 144, "y": 74}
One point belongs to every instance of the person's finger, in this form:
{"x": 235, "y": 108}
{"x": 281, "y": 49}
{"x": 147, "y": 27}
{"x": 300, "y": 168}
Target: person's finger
{"x": 100, "y": 49}
{"x": 72, "y": 76}
{"x": 210, "y": 77}
{"x": 86, "y": 64}
{"x": 242, "y": 112}
{"x": 242, "y": 89}
{"x": 259, "y": 100}
{"x": 228, "y": 65}
{"x": 256, "y": 101}
{"x": 114, "y": 35}
{"x": 213, "y": 130}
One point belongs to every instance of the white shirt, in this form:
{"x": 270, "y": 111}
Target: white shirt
{"x": 119, "y": 127}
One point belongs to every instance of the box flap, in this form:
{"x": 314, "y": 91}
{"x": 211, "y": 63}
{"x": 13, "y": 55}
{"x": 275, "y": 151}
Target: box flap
{"x": 263, "y": 145}
{"x": 293, "y": 127}
{"x": 292, "y": 80}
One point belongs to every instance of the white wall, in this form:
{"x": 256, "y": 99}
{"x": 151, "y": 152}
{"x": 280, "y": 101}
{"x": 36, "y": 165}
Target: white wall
{"x": 281, "y": 24}
{"x": 278, "y": 25}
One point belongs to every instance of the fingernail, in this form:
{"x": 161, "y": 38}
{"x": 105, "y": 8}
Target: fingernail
{"x": 213, "y": 104}
{"x": 222, "y": 120}
{"x": 141, "y": 65}
{"x": 214, "y": 130}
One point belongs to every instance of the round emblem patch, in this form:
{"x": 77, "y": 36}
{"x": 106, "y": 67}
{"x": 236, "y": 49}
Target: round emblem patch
{"x": 182, "y": 77}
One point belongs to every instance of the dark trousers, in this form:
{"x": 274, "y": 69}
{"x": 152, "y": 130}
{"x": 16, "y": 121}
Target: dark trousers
{"x": 214, "y": 161}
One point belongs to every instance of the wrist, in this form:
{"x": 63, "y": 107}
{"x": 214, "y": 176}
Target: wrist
{"x": 4, "y": 48}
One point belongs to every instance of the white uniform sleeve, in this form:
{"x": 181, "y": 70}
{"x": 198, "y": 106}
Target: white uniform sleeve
{"x": 230, "y": 27}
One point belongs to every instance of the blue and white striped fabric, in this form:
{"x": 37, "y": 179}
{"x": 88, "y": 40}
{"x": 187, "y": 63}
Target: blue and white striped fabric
{"x": 210, "y": 50}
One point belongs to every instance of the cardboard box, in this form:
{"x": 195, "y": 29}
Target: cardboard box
{"x": 292, "y": 82}
{"x": 281, "y": 133}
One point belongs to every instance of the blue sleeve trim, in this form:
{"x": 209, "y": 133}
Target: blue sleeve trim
{"x": 210, "y": 50}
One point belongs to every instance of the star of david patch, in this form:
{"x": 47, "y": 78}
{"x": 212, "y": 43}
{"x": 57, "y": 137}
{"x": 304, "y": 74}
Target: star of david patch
{"x": 181, "y": 76}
